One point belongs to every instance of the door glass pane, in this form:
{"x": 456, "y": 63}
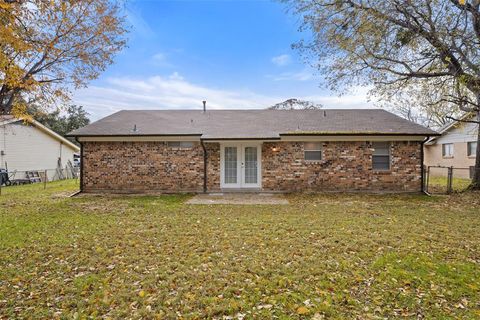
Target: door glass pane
{"x": 230, "y": 165}
{"x": 250, "y": 164}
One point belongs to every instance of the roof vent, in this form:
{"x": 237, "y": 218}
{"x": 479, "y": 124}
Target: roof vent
{"x": 134, "y": 130}
{"x": 204, "y": 105}
{"x": 324, "y": 113}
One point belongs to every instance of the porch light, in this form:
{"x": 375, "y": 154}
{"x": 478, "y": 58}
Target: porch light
{"x": 274, "y": 148}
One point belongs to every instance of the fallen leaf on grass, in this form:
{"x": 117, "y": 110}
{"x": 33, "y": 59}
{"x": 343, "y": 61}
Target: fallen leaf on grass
{"x": 303, "y": 310}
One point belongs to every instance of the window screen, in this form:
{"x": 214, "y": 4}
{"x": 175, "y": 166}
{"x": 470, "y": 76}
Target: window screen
{"x": 313, "y": 151}
{"x": 381, "y": 156}
{"x": 180, "y": 144}
{"x": 472, "y": 148}
{"x": 447, "y": 149}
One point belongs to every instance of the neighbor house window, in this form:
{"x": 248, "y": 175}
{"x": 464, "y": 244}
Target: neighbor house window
{"x": 381, "y": 156}
{"x": 313, "y": 151}
{"x": 472, "y": 148}
{"x": 180, "y": 144}
{"x": 447, "y": 150}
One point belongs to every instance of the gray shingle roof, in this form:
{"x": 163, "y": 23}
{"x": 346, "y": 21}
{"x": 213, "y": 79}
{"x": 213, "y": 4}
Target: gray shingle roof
{"x": 252, "y": 124}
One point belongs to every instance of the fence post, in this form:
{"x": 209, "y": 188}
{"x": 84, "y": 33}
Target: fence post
{"x": 424, "y": 175}
{"x": 45, "y": 180}
{"x": 428, "y": 178}
{"x": 449, "y": 179}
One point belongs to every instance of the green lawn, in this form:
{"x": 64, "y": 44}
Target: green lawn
{"x": 438, "y": 184}
{"x": 323, "y": 256}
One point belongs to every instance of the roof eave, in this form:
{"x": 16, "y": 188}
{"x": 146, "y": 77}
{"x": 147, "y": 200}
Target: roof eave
{"x": 253, "y": 138}
{"x": 132, "y": 135}
{"x": 239, "y": 138}
{"x": 46, "y": 130}
{"x": 360, "y": 134}
{"x": 450, "y": 125}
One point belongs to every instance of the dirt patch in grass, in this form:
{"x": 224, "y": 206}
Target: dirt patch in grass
{"x": 332, "y": 256}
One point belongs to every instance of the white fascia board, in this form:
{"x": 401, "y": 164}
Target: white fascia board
{"x": 352, "y": 138}
{"x": 283, "y": 138}
{"x": 138, "y": 138}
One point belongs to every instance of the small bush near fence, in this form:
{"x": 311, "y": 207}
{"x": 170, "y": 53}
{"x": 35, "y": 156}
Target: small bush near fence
{"x": 445, "y": 180}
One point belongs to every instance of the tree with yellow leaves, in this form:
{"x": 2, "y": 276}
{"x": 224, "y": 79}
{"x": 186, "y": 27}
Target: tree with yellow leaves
{"x": 49, "y": 47}
{"x": 422, "y": 53}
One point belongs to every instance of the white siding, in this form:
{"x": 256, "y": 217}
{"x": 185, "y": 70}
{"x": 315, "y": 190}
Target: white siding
{"x": 463, "y": 132}
{"x": 26, "y": 147}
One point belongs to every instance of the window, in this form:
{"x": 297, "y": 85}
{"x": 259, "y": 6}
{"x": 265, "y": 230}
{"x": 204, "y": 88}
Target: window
{"x": 180, "y": 144}
{"x": 381, "y": 156}
{"x": 447, "y": 150}
{"x": 471, "y": 148}
{"x": 313, "y": 151}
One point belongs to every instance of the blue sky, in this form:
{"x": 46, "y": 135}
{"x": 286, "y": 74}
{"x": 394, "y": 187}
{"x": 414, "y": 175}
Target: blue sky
{"x": 234, "y": 54}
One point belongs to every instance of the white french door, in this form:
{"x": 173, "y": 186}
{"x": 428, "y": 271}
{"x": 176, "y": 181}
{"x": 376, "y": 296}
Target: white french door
{"x": 240, "y": 165}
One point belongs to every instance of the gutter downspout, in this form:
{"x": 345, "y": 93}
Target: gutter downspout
{"x": 205, "y": 159}
{"x": 422, "y": 159}
{"x": 81, "y": 164}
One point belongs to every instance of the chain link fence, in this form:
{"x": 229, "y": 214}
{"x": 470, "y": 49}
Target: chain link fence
{"x": 437, "y": 180}
{"x": 17, "y": 177}
{"x": 446, "y": 180}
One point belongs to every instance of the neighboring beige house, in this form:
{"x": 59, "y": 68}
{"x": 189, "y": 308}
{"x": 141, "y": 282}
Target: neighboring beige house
{"x": 30, "y": 146}
{"x": 455, "y": 147}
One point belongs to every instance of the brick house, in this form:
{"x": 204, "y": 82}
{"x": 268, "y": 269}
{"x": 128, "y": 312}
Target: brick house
{"x": 256, "y": 150}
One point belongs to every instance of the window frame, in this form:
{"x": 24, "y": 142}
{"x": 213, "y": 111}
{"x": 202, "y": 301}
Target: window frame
{"x": 190, "y": 145}
{"x": 387, "y": 154}
{"x": 319, "y": 150}
{"x": 472, "y": 153}
{"x": 444, "y": 155}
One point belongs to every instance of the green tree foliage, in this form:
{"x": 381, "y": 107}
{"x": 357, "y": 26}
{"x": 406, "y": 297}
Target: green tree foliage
{"x": 61, "y": 121}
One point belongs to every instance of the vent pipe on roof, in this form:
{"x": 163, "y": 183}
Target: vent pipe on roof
{"x": 324, "y": 113}
{"x": 204, "y": 105}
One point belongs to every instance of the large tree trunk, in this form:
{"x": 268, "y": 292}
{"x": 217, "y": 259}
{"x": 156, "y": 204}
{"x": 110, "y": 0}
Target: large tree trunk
{"x": 476, "y": 171}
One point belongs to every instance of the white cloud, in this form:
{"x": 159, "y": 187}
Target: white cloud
{"x": 356, "y": 98}
{"x": 163, "y": 92}
{"x": 282, "y": 60}
{"x": 175, "y": 76}
{"x": 137, "y": 22}
{"x": 303, "y": 75}
{"x": 160, "y": 59}
{"x": 174, "y": 92}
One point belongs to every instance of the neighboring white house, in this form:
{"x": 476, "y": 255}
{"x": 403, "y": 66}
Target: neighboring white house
{"x": 455, "y": 147}
{"x": 27, "y": 145}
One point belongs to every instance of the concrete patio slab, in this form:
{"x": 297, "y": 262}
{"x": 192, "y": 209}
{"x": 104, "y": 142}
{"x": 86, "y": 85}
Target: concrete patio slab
{"x": 239, "y": 198}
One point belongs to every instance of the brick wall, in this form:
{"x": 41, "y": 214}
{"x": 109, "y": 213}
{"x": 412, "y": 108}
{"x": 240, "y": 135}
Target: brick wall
{"x": 345, "y": 166}
{"x": 213, "y": 166}
{"x": 141, "y": 167}
{"x": 155, "y": 167}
